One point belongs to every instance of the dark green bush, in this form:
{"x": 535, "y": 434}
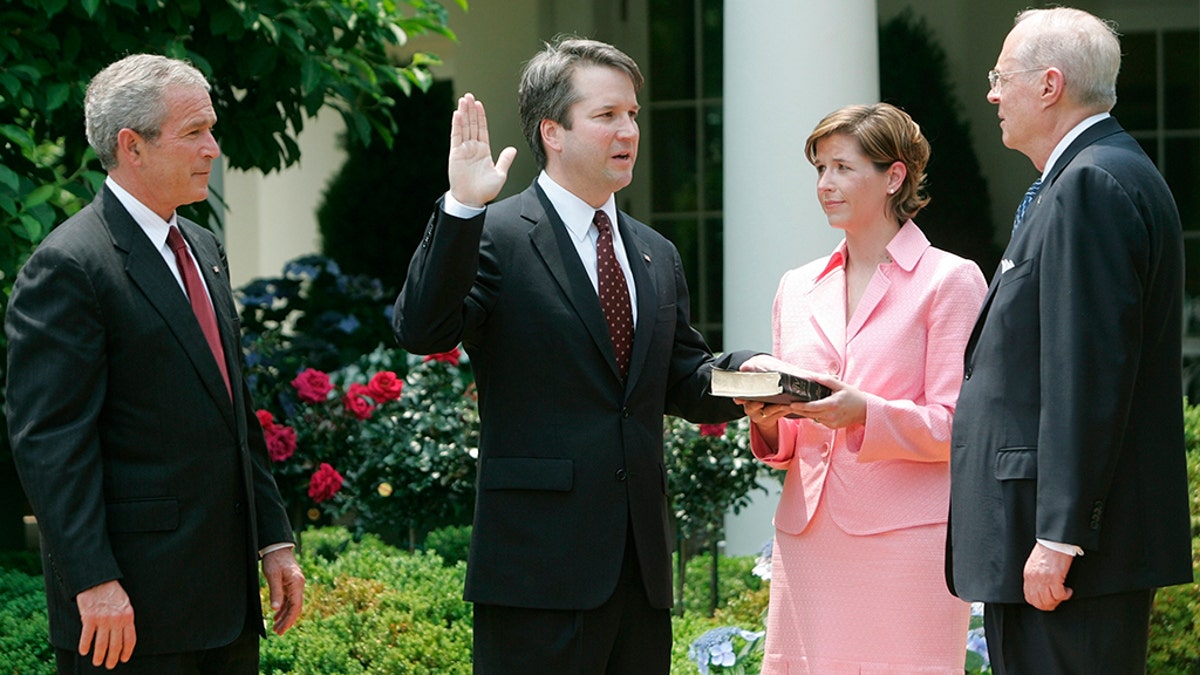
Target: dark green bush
{"x": 452, "y": 543}
{"x": 24, "y": 647}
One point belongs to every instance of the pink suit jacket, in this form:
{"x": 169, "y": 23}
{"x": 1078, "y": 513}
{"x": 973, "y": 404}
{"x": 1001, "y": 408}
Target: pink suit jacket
{"x": 903, "y": 348}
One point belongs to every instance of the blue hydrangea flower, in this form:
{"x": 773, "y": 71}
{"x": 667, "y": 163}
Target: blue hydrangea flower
{"x": 977, "y": 642}
{"x": 715, "y": 647}
{"x": 762, "y": 564}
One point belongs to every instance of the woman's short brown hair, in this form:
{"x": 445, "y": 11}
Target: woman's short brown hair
{"x": 886, "y": 135}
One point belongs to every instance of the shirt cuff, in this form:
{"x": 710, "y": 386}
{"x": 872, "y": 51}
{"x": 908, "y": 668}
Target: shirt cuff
{"x": 262, "y": 552}
{"x": 1069, "y": 549}
{"x": 455, "y": 208}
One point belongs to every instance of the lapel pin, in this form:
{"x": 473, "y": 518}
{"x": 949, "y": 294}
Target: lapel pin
{"x": 216, "y": 270}
{"x": 646, "y": 257}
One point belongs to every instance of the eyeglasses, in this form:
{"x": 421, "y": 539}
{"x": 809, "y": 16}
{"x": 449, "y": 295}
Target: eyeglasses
{"x": 997, "y": 77}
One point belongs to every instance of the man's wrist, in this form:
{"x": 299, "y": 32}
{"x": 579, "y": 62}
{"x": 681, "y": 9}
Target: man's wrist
{"x": 271, "y": 548}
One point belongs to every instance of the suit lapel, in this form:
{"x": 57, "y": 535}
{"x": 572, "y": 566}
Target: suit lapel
{"x": 150, "y": 274}
{"x": 642, "y": 266}
{"x": 552, "y": 242}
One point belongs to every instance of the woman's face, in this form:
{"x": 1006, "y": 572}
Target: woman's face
{"x": 852, "y": 190}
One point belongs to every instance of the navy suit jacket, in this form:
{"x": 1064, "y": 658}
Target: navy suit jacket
{"x": 1069, "y": 423}
{"x": 137, "y": 464}
{"x": 569, "y": 454}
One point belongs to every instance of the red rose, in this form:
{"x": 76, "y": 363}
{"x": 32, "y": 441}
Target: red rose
{"x": 450, "y": 357}
{"x": 281, "y": 442}
{"x": 712, "y": 429}
{"x": 312, "y": 386}
{"x": 358, "y": 402}
{"x": 265, "y": 419}
{"x": 325, "y": 483}
{"x": 385, "y": 386}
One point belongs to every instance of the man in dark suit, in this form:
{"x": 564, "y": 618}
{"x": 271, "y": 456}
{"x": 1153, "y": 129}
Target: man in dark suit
{"x": 1069, "y": 488}
{"x": 133, "y": 432}
{"x": 569, "y": 566}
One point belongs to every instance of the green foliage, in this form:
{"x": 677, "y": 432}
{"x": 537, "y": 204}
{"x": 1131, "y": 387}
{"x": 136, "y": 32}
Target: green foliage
{"x": 452, "y": 543}
{"x": 312, "y": 316}
{"x": 407, "y": 459}
{"x": 378, "y": 236}
{"x": 711, "y": 471}
{"x": 913, "y": 76}
{"x": 735, "y": 580}
{"x": 370, "y": 608}
{"x": 24, "y": 647}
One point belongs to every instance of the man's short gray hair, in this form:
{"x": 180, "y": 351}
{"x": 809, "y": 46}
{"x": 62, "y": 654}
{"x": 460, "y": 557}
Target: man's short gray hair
{"x": 130, "y": 94}
{"x": 1085, "y": 48}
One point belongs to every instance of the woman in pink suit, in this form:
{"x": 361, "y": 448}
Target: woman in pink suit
{"x": 857, "y": 581}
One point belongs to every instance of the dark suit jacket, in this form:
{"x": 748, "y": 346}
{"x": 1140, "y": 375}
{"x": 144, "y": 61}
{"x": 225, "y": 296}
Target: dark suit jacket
{"x": 136, "y": 463}
{"x": 569, "y": 454}
{"x": 1069, "y": 423}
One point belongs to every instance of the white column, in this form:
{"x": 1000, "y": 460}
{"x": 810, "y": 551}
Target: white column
{"x": 788, "y": 63}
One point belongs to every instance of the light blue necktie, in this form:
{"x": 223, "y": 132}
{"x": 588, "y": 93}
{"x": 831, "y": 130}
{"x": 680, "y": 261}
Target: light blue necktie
{"x": 1033, "y": 190}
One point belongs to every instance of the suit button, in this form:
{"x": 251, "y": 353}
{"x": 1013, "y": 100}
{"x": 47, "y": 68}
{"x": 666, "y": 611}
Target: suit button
{"x": 824, "y": 449}
{"x": 967, "y": 374}
{"x": 621, "y": 475}
{"x": 237, "y": 507}
{"x": 625, "y": 413}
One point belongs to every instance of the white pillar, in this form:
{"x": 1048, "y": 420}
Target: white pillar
{"x": 788, "y": 63}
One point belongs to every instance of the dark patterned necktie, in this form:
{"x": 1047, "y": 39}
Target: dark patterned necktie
{"x": 201, "y": 306}
{"x": 614, "y": 293}
{"x": 1033, "y": 190}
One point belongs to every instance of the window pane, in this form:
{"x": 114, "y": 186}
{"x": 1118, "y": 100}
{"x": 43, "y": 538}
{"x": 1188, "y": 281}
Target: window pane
{"x": 1135, "y": 82}
{"x": 713, "y": 41}
{"x": 686, "y": 237}
{"x": 1181, "y": 72}
{"x": 1182, "y": 171}
{"x": 672, "y": 50}
{"x": 1191, "y": 252}
{"x": 713, "y": 159}
{"x": 673, "y": 174}
{"x": 714, "y": 244}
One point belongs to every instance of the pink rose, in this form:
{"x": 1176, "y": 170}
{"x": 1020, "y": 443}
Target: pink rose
{"x": 312, "y": 386}
{"x": 712, "y": 429}
{"x": 281, "y": 442}
{"x": 325, "y": 483}
{"x": 385, "y": 386}
{"x": 265, "y": 419}
{"x": 450, "y": 357}
{"x": 358, "y": 402}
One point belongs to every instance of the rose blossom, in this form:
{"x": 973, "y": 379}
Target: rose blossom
{"x": 712, "y": 429}
{"x": 358, "y": 402}
{"x": 450, "y": 357}
{"x": 281, "y": 442}
{"x": 325, "y": 483}
{"x": 385, "y": 386}
{"x": 312, "y": 386}
{"x": 265, "y": 419}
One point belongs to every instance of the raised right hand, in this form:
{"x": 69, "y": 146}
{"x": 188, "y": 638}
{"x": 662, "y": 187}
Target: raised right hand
{"x": 107, "y": 624}
{"x": 474, "y": 179}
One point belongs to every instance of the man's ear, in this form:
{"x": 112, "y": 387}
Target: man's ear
{"x": 129, "y": 146}
{"x": 1053, "y": 86}
{"x": 551, "y": 132}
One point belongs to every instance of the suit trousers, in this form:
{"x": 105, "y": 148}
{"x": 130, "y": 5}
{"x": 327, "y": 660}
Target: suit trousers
{"x": 623, "y": 636}
{"x": 237, "y": 658}
{"x": 1086, "y": 636}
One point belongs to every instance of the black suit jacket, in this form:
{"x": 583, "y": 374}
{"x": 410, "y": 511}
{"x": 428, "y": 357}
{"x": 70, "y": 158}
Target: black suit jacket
{"x": 137, "y": 464}
{"x": 1069, "y": 422}
{"x": 569, "y": 454}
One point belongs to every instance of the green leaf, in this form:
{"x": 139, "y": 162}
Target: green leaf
{"x": 90, "y": 7}
{"x": 52, "y": 7}
{"x": 9, "y": 178}
{"x": 56, "y": 95}
{"x": 40, "y": 195}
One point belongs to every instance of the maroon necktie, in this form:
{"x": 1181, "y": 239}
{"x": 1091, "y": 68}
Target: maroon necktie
{"x": 614, "y": 293}
{"x": 201, "y": 306}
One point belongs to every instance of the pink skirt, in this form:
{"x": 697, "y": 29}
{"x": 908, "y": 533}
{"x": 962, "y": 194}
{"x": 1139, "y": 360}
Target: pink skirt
{"x": 845, "y": 604}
